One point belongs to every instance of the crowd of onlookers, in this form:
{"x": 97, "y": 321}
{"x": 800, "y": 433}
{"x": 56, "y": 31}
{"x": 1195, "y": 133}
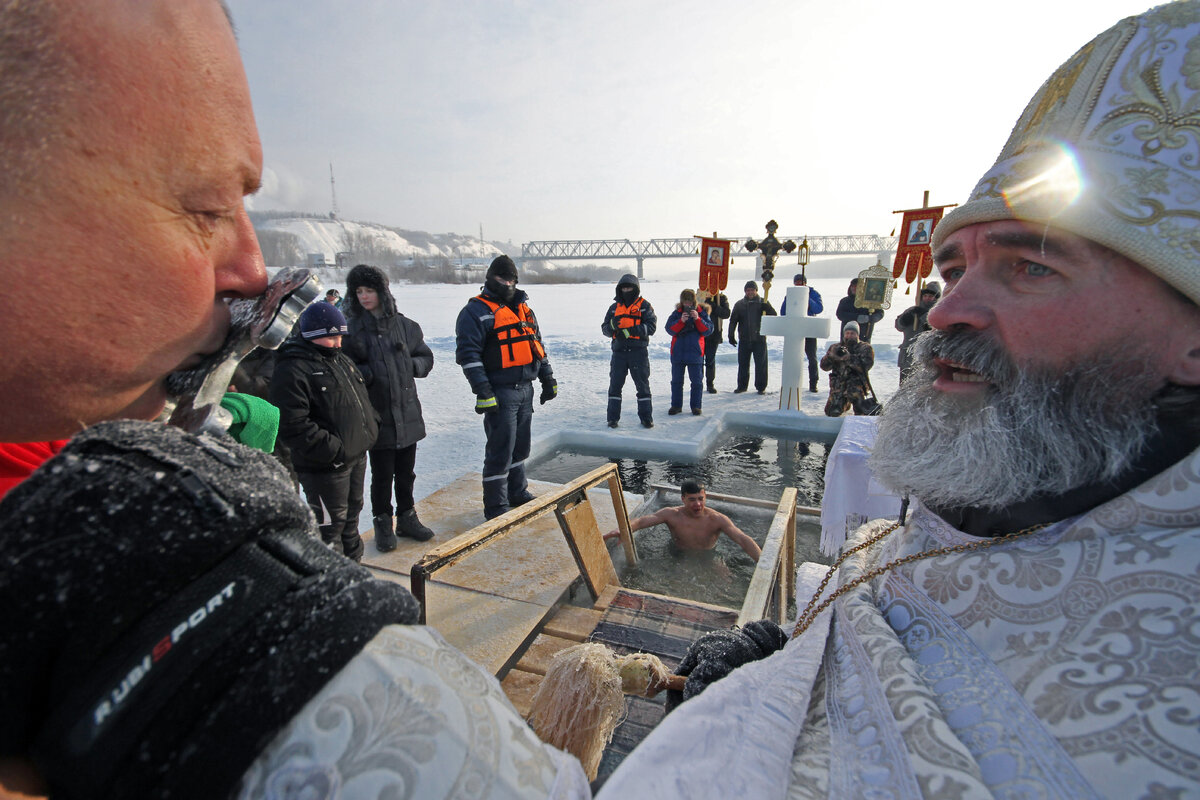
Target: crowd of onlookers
{"x": 345, "y": 383}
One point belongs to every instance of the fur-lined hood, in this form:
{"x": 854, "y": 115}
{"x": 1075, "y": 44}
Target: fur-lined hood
{"x": 372, "y": 278}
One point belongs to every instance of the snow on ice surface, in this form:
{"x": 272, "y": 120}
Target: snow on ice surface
{"x": 570, "y": 317}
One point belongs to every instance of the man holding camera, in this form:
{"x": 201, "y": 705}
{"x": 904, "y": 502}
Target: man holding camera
{"x": 848, "y": 363}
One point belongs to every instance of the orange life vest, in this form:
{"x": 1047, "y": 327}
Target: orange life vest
{"x": 628, "y": 316}
{"x": 514, "y": 341}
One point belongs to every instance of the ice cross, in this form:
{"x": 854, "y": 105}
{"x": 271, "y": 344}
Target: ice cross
{"x": 794, "y": 328}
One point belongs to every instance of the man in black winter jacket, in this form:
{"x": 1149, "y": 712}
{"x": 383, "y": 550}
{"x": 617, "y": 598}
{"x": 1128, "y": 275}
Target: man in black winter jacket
{"x": 747, "y": 316}
{"x": 327, "y": 420}
{"x": 499, "y": 347}
{"x": 629, "y": 323}
{"x": 847, "y": 311}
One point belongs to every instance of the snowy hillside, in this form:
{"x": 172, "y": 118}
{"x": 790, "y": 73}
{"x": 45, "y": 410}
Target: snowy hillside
{"x": 331, "y": 236}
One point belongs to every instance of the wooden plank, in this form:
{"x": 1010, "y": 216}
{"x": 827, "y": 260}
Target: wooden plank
{"x": 520, "y": 686}
{"x": 671, "y": 496}
{"x": 622, "y": 513}
{"x": 606, "y": 597}
{"x": 488, "y": 629}
{"x": 611, "y": 593}
{"x": 767, "y": 578}
{"x": 543, "y": 650}
{"x": 587, "y": 543}
{"x": 573, "y": 623}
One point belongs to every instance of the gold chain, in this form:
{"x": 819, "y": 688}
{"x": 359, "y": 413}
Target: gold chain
{"x": 809, "y": 614}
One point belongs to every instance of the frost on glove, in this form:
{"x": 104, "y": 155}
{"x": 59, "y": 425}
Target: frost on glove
{"x": 717, "y": 653}
{"x": 167, "y": 610}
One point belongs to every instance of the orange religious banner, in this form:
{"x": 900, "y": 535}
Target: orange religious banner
{"x": 714, "y": 264}
{"x": 914, "y": 258}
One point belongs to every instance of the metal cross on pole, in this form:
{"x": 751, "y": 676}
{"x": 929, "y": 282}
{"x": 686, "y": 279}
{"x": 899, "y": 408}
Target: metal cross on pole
{"x": 769, "y": 247}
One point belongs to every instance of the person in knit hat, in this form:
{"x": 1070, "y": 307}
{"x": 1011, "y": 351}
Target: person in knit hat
{"x": 326, "y": 418}
{"x": 1028, "y": 627}
{"x": 747, "y": 317}
{"x": 849, "y": 363}
{"x": 912, "y": 323}
{"x": 629, "y": 323}
{"x": 499, "y": 347}
{"x": 688, "y": 324}
{"x": 389, "y": 350}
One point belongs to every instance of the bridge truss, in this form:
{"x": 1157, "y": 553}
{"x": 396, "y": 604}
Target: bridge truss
{"x": 641, "y": 249}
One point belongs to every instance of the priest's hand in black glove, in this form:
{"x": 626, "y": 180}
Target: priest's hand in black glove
{"x": 717, "y": 653}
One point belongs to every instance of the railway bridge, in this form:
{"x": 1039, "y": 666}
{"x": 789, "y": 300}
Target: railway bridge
{"x": 642, "y": 249}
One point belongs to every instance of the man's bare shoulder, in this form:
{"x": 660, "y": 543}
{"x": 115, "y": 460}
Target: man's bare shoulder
{"x": 718, "y": 519}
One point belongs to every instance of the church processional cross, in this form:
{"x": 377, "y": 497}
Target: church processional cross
{"x": 769, "y": 247}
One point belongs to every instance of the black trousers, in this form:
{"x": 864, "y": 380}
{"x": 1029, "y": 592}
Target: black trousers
{"x": 757, "y": 350}
{"x": 711, "y": 343}
{"x": 810, "y": 352}
{"x": 635, "y": 364}
{"x": 336, "y": 499}
{"x": 388, "y": 466}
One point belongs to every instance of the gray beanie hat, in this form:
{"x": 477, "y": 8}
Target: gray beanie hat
{"x": 1108, "y": 150}
{"x": 852, "y": 326}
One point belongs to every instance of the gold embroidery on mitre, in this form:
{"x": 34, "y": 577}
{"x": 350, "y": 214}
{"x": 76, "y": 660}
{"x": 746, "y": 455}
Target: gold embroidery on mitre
{"x": 1159, "y": 117}
{"x": 1058, "y": 88}
{"x": 1060, "y": 110}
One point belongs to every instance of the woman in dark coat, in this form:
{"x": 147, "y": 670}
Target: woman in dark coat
{"x": 390, "y": 351}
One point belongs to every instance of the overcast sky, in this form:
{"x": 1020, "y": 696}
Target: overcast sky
{"x": 643, "y": 118}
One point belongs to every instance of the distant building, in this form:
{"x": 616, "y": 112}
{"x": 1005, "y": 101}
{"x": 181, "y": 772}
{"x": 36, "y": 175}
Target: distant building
{"x": 316, "y": 261}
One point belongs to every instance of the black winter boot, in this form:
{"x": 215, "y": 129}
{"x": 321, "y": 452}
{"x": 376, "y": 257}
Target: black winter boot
{"x": 408, "y": 525}
{"x": 352, "y": 546}
{"x": 385, "y": 536}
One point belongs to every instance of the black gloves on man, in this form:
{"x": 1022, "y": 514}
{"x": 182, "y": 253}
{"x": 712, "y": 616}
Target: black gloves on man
{"x": 549, "y": 391}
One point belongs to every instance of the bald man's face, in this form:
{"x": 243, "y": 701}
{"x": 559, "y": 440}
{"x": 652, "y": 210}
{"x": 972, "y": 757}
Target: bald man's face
{"x": 137, "y": 235}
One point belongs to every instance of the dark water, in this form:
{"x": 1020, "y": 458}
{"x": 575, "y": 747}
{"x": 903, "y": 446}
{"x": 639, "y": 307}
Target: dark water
{"x": 746, "y": 466}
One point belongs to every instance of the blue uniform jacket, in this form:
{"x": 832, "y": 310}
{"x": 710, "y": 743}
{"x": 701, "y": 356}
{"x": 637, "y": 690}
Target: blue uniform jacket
{"x": 472, "y": 329}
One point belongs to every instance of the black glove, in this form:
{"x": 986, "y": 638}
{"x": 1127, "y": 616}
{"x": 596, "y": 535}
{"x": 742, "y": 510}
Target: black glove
{"x": 549, "y": 391}
{"x": 717, "y": 653}
{"x": 485, "y": 404}
{"x": 157, "y": 586}
{"x": 732, "y": 340}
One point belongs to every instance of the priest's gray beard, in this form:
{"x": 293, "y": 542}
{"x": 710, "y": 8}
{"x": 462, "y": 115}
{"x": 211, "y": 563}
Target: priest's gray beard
{"x": 1035, "y": 431}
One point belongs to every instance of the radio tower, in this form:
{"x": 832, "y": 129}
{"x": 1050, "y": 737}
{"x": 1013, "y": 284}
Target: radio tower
{"x": 333, "y": 191}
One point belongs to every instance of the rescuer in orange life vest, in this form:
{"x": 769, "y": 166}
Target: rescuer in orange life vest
{"x": 500, "y": 351}
{"x": 630, "y": 322}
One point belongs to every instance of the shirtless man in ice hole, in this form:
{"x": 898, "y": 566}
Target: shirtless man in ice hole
{"x": 692, "y": 526}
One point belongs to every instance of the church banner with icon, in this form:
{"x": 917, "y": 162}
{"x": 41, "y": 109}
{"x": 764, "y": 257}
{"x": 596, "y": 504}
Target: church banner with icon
{"x": 714, "y": 264}
{"x": 914, "y": 258}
